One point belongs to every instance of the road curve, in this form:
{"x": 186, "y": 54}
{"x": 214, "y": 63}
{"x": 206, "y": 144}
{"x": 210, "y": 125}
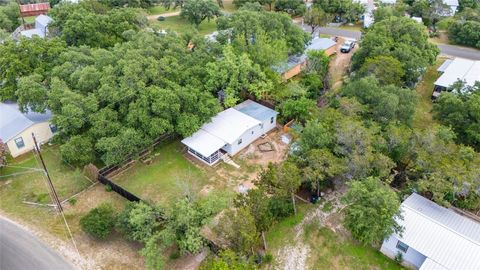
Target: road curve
{"x": 21, "y": 250}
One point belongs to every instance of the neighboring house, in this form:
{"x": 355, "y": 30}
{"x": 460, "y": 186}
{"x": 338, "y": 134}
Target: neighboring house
{"x": 457, "y": 69}
{"x": 230, "y": 131}
{"x": 40, "y": 28}
{"x": 434, "y": 237}
{"x": 295, "y": 63}
{"x": 453, "y": 4}
{"x": 16, "y": 128}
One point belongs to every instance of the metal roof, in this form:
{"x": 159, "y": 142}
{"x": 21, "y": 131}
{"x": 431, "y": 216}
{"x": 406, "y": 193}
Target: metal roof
{"x": 13, "y": 121}
{"x": 321, "y": 44}
{"x": 429, "y": 264}
{"x": 255, "y": 110}
{"x": 43, "y": 20}
{"x": 448, "y": 239}
{"x": 204, "y": 143}
{"x": 32, "y": 32}
{"x": 459, "y": 69}
{"x": 291, "y": 62}
{"x": 451, "y": 2}
{"x": 32, "y": 8}
{"x": 227, "y": 127}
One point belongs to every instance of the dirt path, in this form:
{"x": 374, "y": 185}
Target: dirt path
{"x": 295, "y": 255}
{"x": 170, "y": 14}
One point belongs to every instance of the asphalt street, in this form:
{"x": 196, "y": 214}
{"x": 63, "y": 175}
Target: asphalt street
{"x": 448, "y": 50}
{"x": 21, "y": 250}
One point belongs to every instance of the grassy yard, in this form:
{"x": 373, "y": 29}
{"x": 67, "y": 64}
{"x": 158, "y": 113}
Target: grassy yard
{"x": 331, "y": 251}
{"x": 158, "y": 10}
{"x": 169, "y": 176}
{"x": 423, "y": 114}
{"x": 328, "y": 250}
{"x": 30, "y": 185}
{"x": 180, "y": 25}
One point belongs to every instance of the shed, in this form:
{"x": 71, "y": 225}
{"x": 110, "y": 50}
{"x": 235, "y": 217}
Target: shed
{"x": 16, "y": 128}
{"x": 434, "y": 237}
{"x": 325, "y": 44}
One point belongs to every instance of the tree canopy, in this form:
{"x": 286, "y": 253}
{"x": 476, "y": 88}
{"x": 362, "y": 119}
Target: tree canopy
{"x": 401, "y": 38}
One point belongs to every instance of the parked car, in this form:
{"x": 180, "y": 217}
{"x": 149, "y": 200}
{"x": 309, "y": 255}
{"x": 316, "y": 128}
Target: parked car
{"x": 347, "y": 46}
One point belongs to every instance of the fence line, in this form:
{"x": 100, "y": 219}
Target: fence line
{"x": 107, "y": 170}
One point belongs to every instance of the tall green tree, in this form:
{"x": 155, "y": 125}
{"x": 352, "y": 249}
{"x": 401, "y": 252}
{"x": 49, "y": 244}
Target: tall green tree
{"x": 316, "y": 17}
{"x": 196, "y": 11}
{"x": 282, "y": 180}
{"x": 387, "y": 70}
{"x": 238, "y": 227}
{"x": 401, "y": 38}
{"x": 321, "y": 165}
{"x": 372, "y": 211}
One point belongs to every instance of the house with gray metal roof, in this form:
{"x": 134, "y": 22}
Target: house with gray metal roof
{"x": 16, "y": 128}
{"x": 434, "y": 237}
{"x": 230, "y": 131}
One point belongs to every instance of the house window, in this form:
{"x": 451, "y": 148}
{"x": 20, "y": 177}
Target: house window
{"x": 271, "y": 120}
{"x": 239, "y": 141}
{"x": 53, "y": 128}
{"x": 19, "y": 142}
{"x": 402, "y": 246}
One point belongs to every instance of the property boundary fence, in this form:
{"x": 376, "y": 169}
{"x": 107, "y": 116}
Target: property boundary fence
{"x": 105, "y": 171}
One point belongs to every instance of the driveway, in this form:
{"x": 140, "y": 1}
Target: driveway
{"x": 448, "y": 50}
{"x": 21, "y": 250}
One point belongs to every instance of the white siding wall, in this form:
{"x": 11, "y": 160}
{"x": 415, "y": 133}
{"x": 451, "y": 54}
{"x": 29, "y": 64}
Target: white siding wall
{"x": 411, "y": 258}
{"x": 267, "y": 126}
{"x": 247, "y": 138}
{"x": 42, "y": 133}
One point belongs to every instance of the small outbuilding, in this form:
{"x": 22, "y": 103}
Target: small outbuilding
{"x": 434, "y": 237}
{"x": 16, "y": 128}
{"x": 40, "y": 28}
{"x": 230, "y": 131}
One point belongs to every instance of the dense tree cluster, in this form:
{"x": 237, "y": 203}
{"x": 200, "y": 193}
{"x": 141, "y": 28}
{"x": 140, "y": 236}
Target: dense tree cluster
{"x": 343, "y": 10}
{"x": 196, "y": 11}
{"x": 9, "y": 18}
{"x": 400, "y": 38}
{"x": 94, "y": 24}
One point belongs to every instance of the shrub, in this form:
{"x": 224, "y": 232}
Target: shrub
{"x": 280, "y": 207}
{"x": 161, "y": 18}
{"x": 99, "y": 221}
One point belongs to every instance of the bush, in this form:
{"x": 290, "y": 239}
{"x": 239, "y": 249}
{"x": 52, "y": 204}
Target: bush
{"x": 466, "y": 33}
{"x": 99, "y": 221}
{"x": 161, "y": 18}
{"x": 280, "y": 207}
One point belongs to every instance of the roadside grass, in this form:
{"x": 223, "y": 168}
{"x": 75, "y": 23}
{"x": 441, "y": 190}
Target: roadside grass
{"x": 332, "y": 251}
{"x": 355, "y": 27}
{"x": 180, "y": 25}
{"x": 228, "y": 6}
{"x": 169, "y": 176}
{"x": 158, "y": 10}
{"x": 32, "y": 187}
{"x": 423, "y": 115}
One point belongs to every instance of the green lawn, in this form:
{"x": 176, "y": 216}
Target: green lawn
{"x": 32, "y": 187}
{"x": 169, "y": 176}
{"x": 327, "y": 249}
{"x": 423, "y": 114}
{"x": 158, "y": 10}
{"x": 180, "y": 25}
{"x": 330, "y": 251}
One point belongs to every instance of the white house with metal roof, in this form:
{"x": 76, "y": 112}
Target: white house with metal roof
{"x": 457, "y": 69}
{"x": 434, "y": 237}
{"x": 230, "y": 131}
{"x": 16, "y": 128}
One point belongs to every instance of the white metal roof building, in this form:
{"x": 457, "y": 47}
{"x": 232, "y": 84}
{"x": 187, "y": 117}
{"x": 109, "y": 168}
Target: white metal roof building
{"x": 435, "y": 237}
{"x": 230, "y": 131}
{"x": 457, "y": 69}
{"x": 41, "y": 27}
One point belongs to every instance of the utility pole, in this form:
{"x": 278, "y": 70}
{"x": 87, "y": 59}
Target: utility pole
{"x": 50, "y": 184}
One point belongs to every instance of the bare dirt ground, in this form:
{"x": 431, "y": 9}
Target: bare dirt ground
{"x": 295, "y": 255}
{"x": 339, "y": 65}
{"x": 252, "y": 160}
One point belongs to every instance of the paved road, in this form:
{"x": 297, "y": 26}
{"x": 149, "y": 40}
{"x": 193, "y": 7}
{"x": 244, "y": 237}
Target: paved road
{"x": 449, "y": 50}
{"x": 21, "y": 250}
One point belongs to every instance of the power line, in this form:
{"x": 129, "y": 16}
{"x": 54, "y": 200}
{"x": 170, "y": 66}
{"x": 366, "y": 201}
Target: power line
{"x": 53, "y": 193}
